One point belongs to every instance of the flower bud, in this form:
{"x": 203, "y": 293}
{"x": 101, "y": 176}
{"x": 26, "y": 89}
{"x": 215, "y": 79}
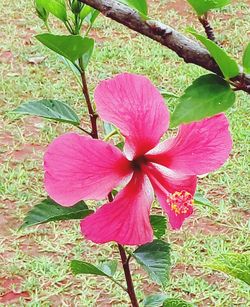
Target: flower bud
{"x": 41, "y": 12}
{"x": 76, "y": 6}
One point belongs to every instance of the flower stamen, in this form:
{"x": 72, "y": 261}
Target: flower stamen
{"x": 180, "y": 202}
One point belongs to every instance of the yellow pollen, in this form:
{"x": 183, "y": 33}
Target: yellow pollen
{"x": 180, "y": 202}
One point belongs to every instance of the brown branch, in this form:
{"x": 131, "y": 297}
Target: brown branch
{"x": 190, "y": 51}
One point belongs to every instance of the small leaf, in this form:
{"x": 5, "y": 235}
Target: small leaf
{"x": 89, "y": 14}
{"x": 236, "y": 265}
{"x": 174, "y": 302}
{"x": 227, "y": 65}
{"x": 51, "y": 109}
{"x": 107, "y": 268}
{"x": 139, "y": 5}
{"x": 207, "y": 96}
{"x": 155, "y": 300}
{"x": 203, "y": 6}
{"x": 199, "y": 199}
{"x": 155, "y": 259}
{"x": 72, "y": 47}
{"x": 159, "y": 224}
{"x": 48, "y": 211}
{"x": 246, "y": 59}
{"x": 55, "y": 7}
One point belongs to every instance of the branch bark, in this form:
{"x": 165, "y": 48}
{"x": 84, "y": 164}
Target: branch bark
{"x": 189, "y": 50}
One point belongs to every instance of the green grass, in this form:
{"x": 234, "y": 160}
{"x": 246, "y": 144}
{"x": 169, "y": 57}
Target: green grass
{"x": 41, "y": 255}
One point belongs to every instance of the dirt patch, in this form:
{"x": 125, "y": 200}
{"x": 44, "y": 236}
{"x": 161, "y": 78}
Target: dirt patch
{"x": 9, "y": 295}
{"x": 206, "y": 226}
{"x": 29, "y": 151}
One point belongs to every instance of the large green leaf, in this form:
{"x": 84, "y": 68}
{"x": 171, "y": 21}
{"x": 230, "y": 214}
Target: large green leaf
{"x": 155, "y": 300}
{"x": 55, "y": 7}
{"x": 227, "y": 65}
{"x": 159, "y": 224}
{"x": 246, "y": 59}
{"x": 236, "y": 265}
{"x": 175, "y": 302}
{"x": 107, "y": 268}
{"x": 51, "y": 109}
{"x": 155, "y": 259}
{"x": 49, "y": 211}
{"x": 203, "y": 6}
{"x": 139, "y": 5}
{"x": 207, "y": 96}
{"x": 72, "y": 47}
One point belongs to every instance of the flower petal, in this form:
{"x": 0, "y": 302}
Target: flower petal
{"x": 79, "y": 167}
{"x": 126, "y": 219}
{"x": 135, "y": 106}
{"x": 166, "y": 182}
{"x": 199, "y": 147}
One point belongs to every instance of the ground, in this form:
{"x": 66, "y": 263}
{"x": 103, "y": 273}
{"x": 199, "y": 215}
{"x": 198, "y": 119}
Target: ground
{"x": 34, "y": 263}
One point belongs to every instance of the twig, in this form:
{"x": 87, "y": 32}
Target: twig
{"x": 208, "y": 28}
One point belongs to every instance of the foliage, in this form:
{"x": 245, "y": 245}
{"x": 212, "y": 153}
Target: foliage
{"x": 50, "y": 211}
{"x": 236, "y": 265}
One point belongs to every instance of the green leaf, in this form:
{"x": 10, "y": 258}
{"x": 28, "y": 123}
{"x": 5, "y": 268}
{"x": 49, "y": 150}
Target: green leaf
{"x": 155, "y": 259}
{"x": 51, "y": 109}
{"x": 72, "y": 47}
{"x": 227, "y": 65}
{"x": 159, "y": 224}
{"x": 236, "y": 265}
{"x": 155, "y": 300}
{"x": 107, "y": 268}
{"x": 203, "y": 6}
{"x": 246, "y": 59}
{"x": 174, "y": 302}
{"x": 139, "y": 5}
{"x": 200, "y": 199}
{"x": 207, "y": 96}
{"x": 55, "y": 7}
{"x": 50, "y": 211}
{"x": 89, "y": 14}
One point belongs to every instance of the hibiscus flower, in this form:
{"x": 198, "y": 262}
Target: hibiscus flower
{"x": 80, "y": 168}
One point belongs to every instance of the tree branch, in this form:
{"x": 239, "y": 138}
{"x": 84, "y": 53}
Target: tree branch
{"x": 189, "y": 50}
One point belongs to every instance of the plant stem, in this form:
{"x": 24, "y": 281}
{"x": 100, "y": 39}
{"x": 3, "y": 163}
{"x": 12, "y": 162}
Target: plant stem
{"x": 208, "y": 28}
{"x": 125, "y": 264}
{"x": 92, "y": 114}
{"x": 130, "y": 285}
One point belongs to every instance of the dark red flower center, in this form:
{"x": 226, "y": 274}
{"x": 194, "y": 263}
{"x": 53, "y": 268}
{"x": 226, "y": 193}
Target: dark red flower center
{"x": 138, "y": 162}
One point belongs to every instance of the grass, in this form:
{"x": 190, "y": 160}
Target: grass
{"x": 40, "y": 255}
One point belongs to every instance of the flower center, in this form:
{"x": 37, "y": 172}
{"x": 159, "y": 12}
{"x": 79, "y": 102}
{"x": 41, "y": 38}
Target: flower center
{"x": 181, "y": 202}
{"x": 137, "y": 162}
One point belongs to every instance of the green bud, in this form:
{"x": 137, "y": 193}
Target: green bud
{"x": 76, "y": 6}
{"x": 41, "y": 12}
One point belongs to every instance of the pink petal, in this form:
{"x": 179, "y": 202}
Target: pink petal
{"x": 166, "y": 182}
{"x": 79, "y": 167}
{"x": 135, "y": 106}
{"x": 126, "y": 219}
{"x": 199, "y": 147}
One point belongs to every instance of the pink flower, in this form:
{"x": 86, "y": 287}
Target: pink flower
{"x": 80, "y": 168}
